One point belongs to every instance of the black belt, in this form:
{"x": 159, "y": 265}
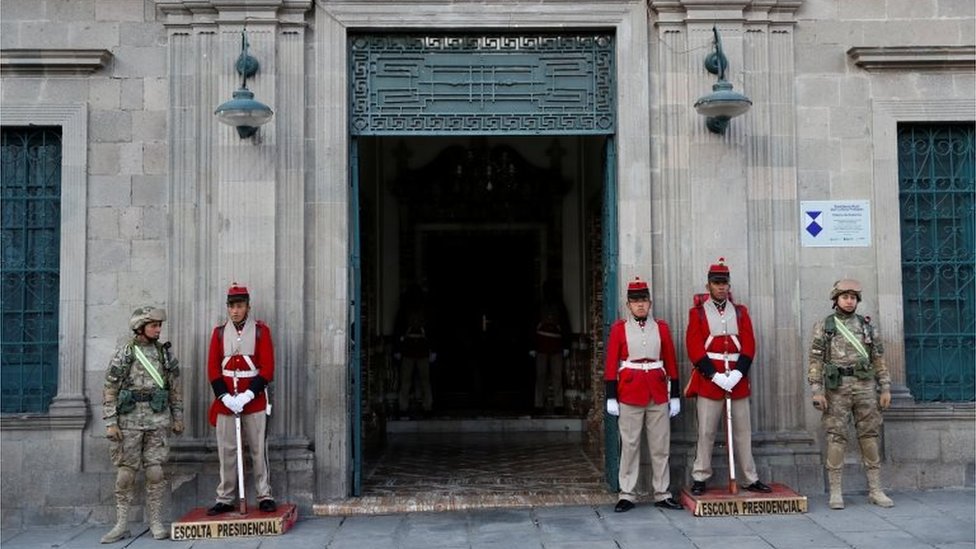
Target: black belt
{"x": 848, "y": 371}
{"x": 142, "y": 397}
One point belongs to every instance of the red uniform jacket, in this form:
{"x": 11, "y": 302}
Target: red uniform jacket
{"x": 263, "y": 359}
{"x": 700, "y": 382}
{"x": 638, "y": 387}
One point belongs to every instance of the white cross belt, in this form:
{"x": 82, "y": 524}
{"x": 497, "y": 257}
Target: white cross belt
{"x": 731, "y": 357}
{"x": 644, "y": 366}
{"x": 240, "y": 373}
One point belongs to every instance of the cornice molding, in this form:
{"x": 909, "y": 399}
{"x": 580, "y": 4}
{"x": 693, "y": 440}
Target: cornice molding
{"x": 54, "y": 61}
{"x": 914, "y": 57}
{"x": 672, "y": 11}
{"x": 232, "y": 11}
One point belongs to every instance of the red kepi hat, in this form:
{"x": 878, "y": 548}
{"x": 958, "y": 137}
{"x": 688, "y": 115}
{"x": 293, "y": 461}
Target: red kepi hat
{"x": 719, "y": 272}
{"x": 637, "y": 289}
{"x": 236, "y": 292}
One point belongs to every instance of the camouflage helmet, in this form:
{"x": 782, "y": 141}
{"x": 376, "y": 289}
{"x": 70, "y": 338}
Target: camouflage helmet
{"x": 144, "y": 315}
{"x": 844, "y": 286}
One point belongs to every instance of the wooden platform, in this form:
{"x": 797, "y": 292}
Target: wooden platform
{"x": 718, "y": 502}
{"x": 197, "y": 525}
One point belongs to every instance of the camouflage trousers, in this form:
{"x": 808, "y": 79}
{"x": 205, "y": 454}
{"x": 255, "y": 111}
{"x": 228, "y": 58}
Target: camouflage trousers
{"x": 140, "y": 448}
{"x": 858, "y": 399}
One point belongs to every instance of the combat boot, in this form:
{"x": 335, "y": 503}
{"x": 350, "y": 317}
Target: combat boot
{"x": 835, "y": 471}
{"x": 871, "y": 454}
{"x": 875, "y": 494}
{"x": 123, "y": 499}
{"x": 836, "y": 493}
{"x": 155, "y": 485}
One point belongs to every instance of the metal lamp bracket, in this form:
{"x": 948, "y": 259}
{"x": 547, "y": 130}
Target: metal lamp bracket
{"x": 716, "y": 62}
{"x": 713, "y": 60}
{"x": 246, "y": 65}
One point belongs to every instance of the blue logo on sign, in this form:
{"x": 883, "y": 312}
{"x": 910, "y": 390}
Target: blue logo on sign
{"x": 814, "y": 227}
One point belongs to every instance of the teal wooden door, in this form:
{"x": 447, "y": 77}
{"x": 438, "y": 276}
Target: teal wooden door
{"x": 610, "y": 300}
{"x": 355, "y": 371}
{"x": 936, "y": 194}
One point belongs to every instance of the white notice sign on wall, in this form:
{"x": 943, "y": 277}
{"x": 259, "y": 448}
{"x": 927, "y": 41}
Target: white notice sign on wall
{"x": 837, "y": 223}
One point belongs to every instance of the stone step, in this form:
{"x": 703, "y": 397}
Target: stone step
{"x": 438, "y": 502}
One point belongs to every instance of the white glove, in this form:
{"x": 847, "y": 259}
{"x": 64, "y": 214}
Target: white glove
{"x": 674, "y": 407}
{"x": 565, "y": 353}
{"x": 532, "y": 354}
{"x": 613, "y": 407}
{"x": 722, "y": 381}
{"x": 232, "y": 403}
{"x": 244, "y": 398}
{"x": 432, "y": 357}
{"x": 735, "y": 376}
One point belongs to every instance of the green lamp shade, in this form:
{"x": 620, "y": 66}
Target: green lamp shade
{"x": 243, "y": 111}
{"x": 723, "y": 102}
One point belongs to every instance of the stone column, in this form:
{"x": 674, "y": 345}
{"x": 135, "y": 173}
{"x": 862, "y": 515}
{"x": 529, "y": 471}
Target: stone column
{"x": 773, "y": 224}
{"x": 732, "y": 196}
{"x": 290, "y": 114}
{"x": 237, "y": 204}
{"x": 189, "y": 158}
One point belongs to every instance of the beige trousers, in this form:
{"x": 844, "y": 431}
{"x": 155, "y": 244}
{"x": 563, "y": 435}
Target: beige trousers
{"x": 711, "y": 413}
{"x": 655, "y": 422}
{"x": 253, "y": 434}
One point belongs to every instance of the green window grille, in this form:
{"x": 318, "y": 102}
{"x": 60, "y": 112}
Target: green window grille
{"x": 477, "y": 84}
{"x": 30, "y": 236}
{"x": 936, "y": 195}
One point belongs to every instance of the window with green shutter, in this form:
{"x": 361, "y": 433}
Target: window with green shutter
{"x": 936, "y": 196}
{"x": 30, "y": 236}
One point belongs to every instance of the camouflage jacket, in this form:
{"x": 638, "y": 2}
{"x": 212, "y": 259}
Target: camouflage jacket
{"x": 831, "y": 351}
{"x": 129, "y": 389}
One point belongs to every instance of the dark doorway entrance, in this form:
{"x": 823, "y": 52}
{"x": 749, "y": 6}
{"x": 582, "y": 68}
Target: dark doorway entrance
{"x": 481, "y": 284}
{"x": 480, "y": 225}
{"x": 505, "y": 132}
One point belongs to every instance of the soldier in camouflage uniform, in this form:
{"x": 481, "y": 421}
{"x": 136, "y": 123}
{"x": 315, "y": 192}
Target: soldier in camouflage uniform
{"x": 847, "y": 370}
{"x": 142, "y": 402}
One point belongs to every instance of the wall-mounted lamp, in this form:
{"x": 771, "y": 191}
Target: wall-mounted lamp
{"x": 723, "y": 103}
{"x": 243, "y": 111}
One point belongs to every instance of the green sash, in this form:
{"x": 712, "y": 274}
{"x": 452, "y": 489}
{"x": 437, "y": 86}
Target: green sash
{"x": 150, "y": 369}
{"x": 852, "y": 339}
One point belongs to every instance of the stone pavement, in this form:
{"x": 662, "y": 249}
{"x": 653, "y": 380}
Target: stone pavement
{"x": 940, "y": 518}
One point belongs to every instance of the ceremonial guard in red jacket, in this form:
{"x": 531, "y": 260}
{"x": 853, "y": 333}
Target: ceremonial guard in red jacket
{"x": 240, "y": 366}
{"x": 642, "y": 389}
{"x": 721, "y": 346}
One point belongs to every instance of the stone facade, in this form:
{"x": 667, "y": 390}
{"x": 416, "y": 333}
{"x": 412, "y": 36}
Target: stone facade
{"x": 158, "y": 199}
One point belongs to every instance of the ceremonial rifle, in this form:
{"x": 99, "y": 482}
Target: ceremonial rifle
{"x": 240, "y": 455}
{"x": 733, "y": 485}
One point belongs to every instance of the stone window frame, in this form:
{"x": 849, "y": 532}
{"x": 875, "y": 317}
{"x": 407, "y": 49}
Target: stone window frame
{"x": 887, "y": 114}
{"x": 69, "y": 408}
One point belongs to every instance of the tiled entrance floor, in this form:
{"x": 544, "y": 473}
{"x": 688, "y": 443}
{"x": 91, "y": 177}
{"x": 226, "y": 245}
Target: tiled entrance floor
{"x": 451, "y": 471}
